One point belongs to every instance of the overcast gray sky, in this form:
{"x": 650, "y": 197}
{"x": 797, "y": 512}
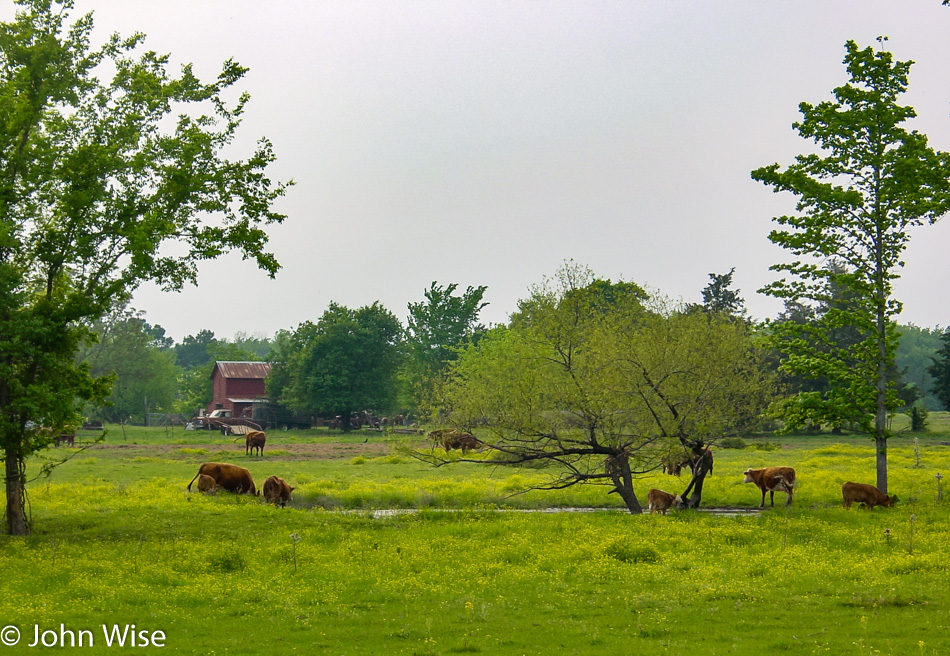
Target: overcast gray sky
{"x": 485, "y": 143}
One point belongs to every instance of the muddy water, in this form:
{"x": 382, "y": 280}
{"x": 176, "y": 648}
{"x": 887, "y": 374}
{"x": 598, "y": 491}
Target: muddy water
{"x": 396, "y": 512}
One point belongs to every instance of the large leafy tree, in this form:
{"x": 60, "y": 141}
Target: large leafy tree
{"x": 870, "y": 181}
{"x": 344, "y": 363}
{"x": 105, "y": 158}
{"x": 590, "y": 381}
{"x": 437, "y": 328}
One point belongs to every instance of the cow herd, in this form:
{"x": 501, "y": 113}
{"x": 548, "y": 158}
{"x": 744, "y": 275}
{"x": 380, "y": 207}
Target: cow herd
{"x": 780, "y": 479}
{"x": 214, "y": 476}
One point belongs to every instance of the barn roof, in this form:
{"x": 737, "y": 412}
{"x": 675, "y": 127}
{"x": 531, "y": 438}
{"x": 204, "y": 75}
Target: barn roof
{"x": 232, "y": 369}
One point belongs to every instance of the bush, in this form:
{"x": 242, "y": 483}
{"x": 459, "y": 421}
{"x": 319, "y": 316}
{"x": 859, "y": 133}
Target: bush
{"x": 918, "y": 418}
{"x": 733, "y": 443}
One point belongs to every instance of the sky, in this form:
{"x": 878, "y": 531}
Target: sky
{"x": 486, "y": 143}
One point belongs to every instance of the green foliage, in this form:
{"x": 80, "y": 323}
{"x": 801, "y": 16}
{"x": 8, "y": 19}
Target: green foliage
{"x": 869, "y": 183}
{"x": 345, "y": 363}
{"x": 106, "y": 159}
{"x": 732, "y": 443}
{"x": 940, "y": 371}
{"x": 590, "y": 380}
{"x": 437, "y": 328}
{"x": 918, "y": 418}
{"x": 915, "y": 354}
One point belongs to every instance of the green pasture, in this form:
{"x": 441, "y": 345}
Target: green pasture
{"x": 473, "y": 567}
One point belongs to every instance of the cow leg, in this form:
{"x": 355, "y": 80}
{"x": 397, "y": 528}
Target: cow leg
{"x": 772, "y": 498}
{"x": 789, "y": 502}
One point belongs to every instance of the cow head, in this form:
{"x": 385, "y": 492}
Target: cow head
{"x": 748, "y": 476}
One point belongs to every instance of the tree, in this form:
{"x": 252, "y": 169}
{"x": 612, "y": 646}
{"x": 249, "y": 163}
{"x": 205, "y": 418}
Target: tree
{"x": 105, "y": 158}
{"x": 193, "y": 350}
{"x": 344, "y": 363}
{"x": 145, "y": 375}
{"x": 940, "y": 371}
{"x": 870, "y": 183}
{"x": 719, "y": 297}
{"x": 590, "y": 381}
{"x": 436, "y": 329}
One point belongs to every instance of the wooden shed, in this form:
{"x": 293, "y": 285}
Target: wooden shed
{"x": 238, "y": 385}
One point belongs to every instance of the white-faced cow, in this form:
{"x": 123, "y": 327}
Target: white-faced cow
{"x": 660, "y": 501}
{"x": 772, "y": 480}
{"x": 865, "y": 494}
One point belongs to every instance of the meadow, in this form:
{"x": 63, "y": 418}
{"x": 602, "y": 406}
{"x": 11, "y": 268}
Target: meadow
{"x": 467, "y": 565}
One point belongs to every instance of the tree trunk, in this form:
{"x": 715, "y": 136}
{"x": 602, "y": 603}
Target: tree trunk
{"x": 618, "y": 467}
{"x": 17, "y": 523}
{"x": 703, "y": 465}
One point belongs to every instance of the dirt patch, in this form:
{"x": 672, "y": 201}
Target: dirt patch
{"x": 315, "y": 451}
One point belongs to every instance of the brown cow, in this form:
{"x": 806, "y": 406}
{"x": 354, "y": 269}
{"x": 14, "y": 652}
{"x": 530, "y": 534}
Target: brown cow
{"x": 230, "y": 477}
{"x": 207, "y": 484}
{"x": 867, "y": 495}
{"x": 451, "y": 438}
{"x": 772, "y": 480}
{"x": 277, "y": 491}
{"x": 255, "y": 440}
{"x": 660, "y": 501}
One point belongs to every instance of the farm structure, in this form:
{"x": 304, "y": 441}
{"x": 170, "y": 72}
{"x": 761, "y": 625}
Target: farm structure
{"x": 237, "y": 386}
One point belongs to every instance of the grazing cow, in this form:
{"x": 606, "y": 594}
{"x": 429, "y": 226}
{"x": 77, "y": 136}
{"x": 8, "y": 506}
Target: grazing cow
{"x": 450, "y": 438}
{"x": 772, "y": 480}
{"x": 865, "y": 494}
{"x": 399, "y": 420}
{"x": 230, "y": 477}
{"x": 277, "y": 491}
{"x": 660, "y": 501}
{"x": 207, "y": 484}
{"x": 65, "y": 438}
{"x": 255, "y": 440}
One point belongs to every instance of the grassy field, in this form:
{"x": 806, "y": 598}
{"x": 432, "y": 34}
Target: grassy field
{"x": 473, "y": 569}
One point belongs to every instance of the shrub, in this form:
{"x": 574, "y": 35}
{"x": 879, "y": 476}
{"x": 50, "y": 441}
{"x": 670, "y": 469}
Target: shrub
{"x": 732, "y": 443}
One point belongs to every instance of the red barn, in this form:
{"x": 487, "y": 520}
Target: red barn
{"x": 237, "y": 385}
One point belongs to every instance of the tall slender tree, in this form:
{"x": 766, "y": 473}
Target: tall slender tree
{"x": 870, "y": 182}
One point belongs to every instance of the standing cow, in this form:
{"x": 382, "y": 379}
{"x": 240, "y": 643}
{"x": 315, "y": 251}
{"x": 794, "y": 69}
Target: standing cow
{"x": 660, "y": 501}
{"x": 869, "y": 495}
{"x": 772, "y": 480}
{"x": 228, "y": 477}
{"x": 255, "y": 440}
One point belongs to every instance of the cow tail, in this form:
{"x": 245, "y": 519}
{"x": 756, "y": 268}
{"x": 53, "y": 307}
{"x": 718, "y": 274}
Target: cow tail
{"x": 193, "y": 480}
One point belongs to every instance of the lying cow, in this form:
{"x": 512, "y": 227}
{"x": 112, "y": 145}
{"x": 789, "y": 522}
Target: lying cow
{"x": 866, "y": 494}
{"x": 207, "y": 484}
{"x": 772, "y": 480}
{"x": 277, "y": 491}
{"x": 660, "y": 501}
{"x": 255, "y": 440}
{"x": 228, "y": 477}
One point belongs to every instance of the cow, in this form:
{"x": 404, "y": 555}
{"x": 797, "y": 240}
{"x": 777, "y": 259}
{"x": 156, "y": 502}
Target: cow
{"x": 277, "y": 491}
{"x": 227, "y": 476}
{"x": 865, "y": 494}
{"x": 673, "y": 463}
{"x": 451, "y": 438}
{"x": 255, "y": 440}
{"x": 399, "y": 420}
{"x": 660, "y": 501}
{"x": 207, "y": 484}
{"x": 772, "y": 480}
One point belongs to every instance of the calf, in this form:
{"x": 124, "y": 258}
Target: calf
{"x": 227, "y": 476}
{"x": 207, "y": 484}
{"x": 772, "y": 480}
{"x": 660, "y": 501}
{"x": 277, "y": 491}
{"x": 865, "y": 494}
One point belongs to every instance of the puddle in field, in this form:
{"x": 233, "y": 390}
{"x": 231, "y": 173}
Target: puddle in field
{"x": 396, "y": 512}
